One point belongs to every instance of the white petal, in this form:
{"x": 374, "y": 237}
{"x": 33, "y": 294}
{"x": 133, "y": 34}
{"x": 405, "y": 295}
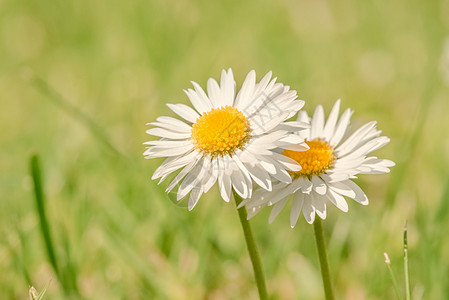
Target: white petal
{"x": 239, "y": 183}
{"x": 180, "y": 176}
{"x": 262, "y": 85}
{"x": 306, "y": 185}
{"x": 158, "y": 151}
{"x": 373, "y": 165}
{"x": 253, "y": 211}
{"x": 172, "y": 127}
{"x": 318, "y": 185}
{"x": 199, "y": 98}
{"x": 341, "y": 128}
{"x": 287, "y": 162}
{"x": 224, "y": 181}
{"x": 297, "y": 147}
{"x": 267, "y": 165}
{"x": 246, "y": 93}
{"x": 169, "y": 143}
{"x": 214, "y": 93}
{"x": 184, "y": 111}
{"x": 336, "y": 176}
{"x": 289, "y": 139}
{"x": 174, "y": 163}
{"x": 293, "y": 126}
{"x": 260, "y": 151}
{"x": 353, "y": 141}
{"x": 303, "y": 117}
{"x": 170, "y": 120}
{"x": 277, "y": 209}
{"x": 228, "y": 87}
{"x": 274, "y": 136}
{"x": 370, "y": 146}
{"x": 191, "y": 181}
{"x": 260, "y": 176}
{"x": 161, "y": 132}
{"x": 320, "y": 205}
{"x": 211, "y": 175}
{"x": 360, "y": 196}
{"x": 329, "y": 128}
{"x": 342, "y": 188}
{"x": 195, "y": 195}
{"x": 275, "y": 196}
{"x": 298, "y": 201}
{"x": 337, "y": 200}
{"x": 317, "y": 122}
{"x": 262, "y": 124}
{"x": 308, "y": 210}
{"x": 275, "y": 169}
{"x": 282, "y": 175}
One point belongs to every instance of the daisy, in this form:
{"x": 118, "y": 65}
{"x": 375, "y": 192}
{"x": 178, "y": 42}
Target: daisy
{"x": 230, "y": 138}
{"x": 328, "y": 167}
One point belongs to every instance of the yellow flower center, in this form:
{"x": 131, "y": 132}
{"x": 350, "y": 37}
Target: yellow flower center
{"x": 220, "y": 131}
{"x": 314, "y": 161}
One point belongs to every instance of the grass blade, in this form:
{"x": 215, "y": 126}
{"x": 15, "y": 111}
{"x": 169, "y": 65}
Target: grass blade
{"x": 407, "y": 279}
{"x": 40, "y": 206}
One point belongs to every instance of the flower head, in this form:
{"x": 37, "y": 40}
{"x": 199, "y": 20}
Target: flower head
{"x": 328, "y": 167}
{"x": 229, "y": 137}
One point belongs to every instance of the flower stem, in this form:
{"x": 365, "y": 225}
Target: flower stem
{"x": 393, "y": 278}
{"x": 252, "y": 249}
{"x": 325, "y": 274}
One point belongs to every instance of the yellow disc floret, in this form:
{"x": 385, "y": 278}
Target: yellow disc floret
{"x": 220, "y": 131}
{"x": 314, "y": 161}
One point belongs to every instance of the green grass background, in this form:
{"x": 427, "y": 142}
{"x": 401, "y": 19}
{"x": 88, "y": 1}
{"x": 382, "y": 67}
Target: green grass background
{"x": 79, "y": 80}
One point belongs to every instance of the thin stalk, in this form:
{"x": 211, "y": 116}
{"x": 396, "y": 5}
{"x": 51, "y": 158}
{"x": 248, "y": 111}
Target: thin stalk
{"x": 252, "y": 249}
{"x": 322, "y": 255}
{"x": 43, "y": 220}
{"x": 407, "y": 279}
{"x": 393, "y": 278}
{"x": 45, "y": 228}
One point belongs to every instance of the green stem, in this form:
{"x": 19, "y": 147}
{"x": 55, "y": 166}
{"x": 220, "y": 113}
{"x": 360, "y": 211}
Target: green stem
{"x": 325, "y": 274}
{"x": 40, "y": 205}
{"x": 407, "y": 279}
{"x": 393, "y": 278}
{"x": 252, "y": 249}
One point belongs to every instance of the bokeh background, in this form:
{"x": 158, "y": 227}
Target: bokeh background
{"x": 79, "y": 80}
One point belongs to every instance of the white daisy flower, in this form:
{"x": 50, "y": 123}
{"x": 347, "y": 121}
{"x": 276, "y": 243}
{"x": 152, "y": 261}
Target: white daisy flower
{"x": 228, "y": 138}
{"x": 334, "y": 158}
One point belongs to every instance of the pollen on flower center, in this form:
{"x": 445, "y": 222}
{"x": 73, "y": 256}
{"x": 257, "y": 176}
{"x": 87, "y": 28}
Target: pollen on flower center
{"x": 314, "y": 161}
{"x": 220, "y": 131}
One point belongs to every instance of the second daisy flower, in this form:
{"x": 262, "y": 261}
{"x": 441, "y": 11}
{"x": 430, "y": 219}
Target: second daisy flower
{"x": 328, "y": 167}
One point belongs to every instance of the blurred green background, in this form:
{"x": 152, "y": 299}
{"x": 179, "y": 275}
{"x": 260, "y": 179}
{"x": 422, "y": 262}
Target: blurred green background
{"x": 79, "y": 80}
